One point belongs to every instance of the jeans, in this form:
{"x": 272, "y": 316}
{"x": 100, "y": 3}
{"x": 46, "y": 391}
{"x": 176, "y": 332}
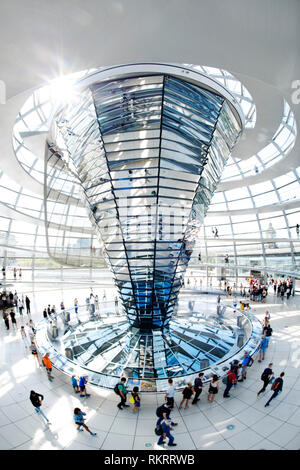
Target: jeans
{"x": 38, "y": 410}
{"x": 228, "y": 387}
{"x": 166, "y": 430}
{"x": 273, "y": 396}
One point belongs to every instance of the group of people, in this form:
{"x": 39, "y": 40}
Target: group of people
{"x": 16, "y": 272}
{"x": 11, "y": 305}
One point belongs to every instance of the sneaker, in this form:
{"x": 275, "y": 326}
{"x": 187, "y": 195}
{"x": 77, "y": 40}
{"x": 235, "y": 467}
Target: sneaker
{"x": 80, "y": 430}
{"x": 87, "y": 395}
{"x": 172, "y": 445}
{"x": 127, "y": 406}
{"x": 226, "y": 396}
{"x": 120, "y": 407}
{"x": 94, "y": 434}
{"x": 267, "y": 404}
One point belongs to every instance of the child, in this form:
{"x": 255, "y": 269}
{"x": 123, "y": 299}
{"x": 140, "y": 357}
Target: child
{"x": 187, "y": 393}
{"x": 136, "y": 398}
{"x": 75, "y": 384}
{"x": 79, "y": 420}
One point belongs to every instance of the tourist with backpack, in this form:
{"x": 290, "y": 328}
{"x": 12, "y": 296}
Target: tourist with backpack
{"x": 120, "y": 390}
{"x": 246, "y": 363}
{"x": 276, "y": 388}
{"x": 163, "y": 412}
{"x": 266, "y": 377}
{"x": 230, "y": 381}
{"x": 166, "y": 428}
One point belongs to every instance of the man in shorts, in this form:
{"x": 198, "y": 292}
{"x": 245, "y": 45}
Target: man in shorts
{"x": 82, "y": 382}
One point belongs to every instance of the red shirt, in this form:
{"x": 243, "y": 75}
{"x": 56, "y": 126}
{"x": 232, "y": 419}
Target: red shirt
{"x": 231, "y": 376}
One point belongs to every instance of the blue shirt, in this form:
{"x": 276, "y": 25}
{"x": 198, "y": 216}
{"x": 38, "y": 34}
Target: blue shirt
{"x": 74, "y": 382}
{"x": 246, "y": 360}
{"x": 82, "y": 382}
{"x": 78, "y": 418}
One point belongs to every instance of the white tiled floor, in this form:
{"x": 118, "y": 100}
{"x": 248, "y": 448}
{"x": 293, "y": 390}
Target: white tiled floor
{"x": 204, "y": 426}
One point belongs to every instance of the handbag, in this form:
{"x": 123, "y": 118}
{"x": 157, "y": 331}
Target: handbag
{"x": 131, "y": 400}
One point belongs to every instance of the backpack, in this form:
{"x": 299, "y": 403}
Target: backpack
{"x": 160, "y": 411}
{"x": 250, "y": 361}
{"x": 275, "y": 385}
{"x": 264, "y": 375}
{"x": 116, "y": 388}
{"x": 158, "y": 430}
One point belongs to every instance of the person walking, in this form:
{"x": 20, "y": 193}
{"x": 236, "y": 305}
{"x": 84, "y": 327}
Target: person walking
{"x": 79, "y": 420}
{"x": 34, "y": 351}
{"x": 76, "y": 305}
{"x": 267, "y": 331}
{"x": 20, "y": 306}
{"x": 170, "y": 393}
{"x": 47, "y": 363}
{"x": 36, "y": 399}
{"x": 13, "y": 319}
{"x": 24, "y": 337}
{"x": 166, "y": 433}
{"x": 187, "y": 394}
{"x": 213, "y": 388}
{"x": 198, "y": 387}
{"x": 45, "y": 313}
{"x": 122, "y": 393}
{"x": 276, "y": 388}
{"x": 266, "y": 377}
{"x": 27, "y": 303}
{"x": 262, "y": 348}
{"x": 15, "y": 273}
{"x": 230, "y": 381}
{"x": 82, "y": 386}
{"x": 6, "y": 320}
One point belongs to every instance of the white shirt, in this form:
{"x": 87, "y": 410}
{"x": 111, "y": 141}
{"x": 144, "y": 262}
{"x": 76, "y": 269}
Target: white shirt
{"x": 171, "y": 391}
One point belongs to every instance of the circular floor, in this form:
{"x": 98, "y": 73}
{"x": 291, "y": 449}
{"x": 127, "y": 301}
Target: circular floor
{"x": 240, "y": 422}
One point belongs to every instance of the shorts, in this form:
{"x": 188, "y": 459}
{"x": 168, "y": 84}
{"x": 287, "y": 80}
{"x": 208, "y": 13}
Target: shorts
{"x": 213, "y": 390}
{"x": 82, "y": 388}
{"x": 137, "y": 404}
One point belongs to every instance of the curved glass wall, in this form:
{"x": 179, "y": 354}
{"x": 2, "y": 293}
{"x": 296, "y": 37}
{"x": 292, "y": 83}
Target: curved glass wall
{"x": 259, "y": 212}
